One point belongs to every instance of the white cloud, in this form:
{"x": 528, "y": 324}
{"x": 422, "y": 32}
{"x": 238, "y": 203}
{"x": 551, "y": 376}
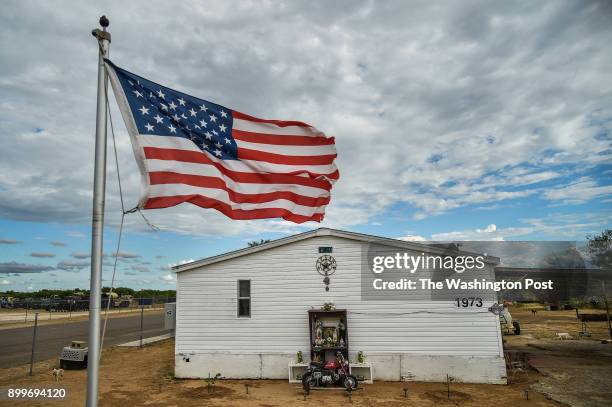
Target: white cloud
{"x": 42, "y": 255}
{"x": 74, "y": 233}
{"x": 5, "y": 282}
{"x": 493, "y": 97}
{"x": 582, "y": 190}
{"x": 412, "y": 238}
{"x": 556, "y": 225}
{"x": 13, "y": 267}
{"x": 140, "y": 268}
{"x": 489, "y": 233}
{"x": 73, "y": 265}
{"x": 80, "y": 255}
{"x": 168, "y": 277}
{"x": 184, "y": 261}
{"x": 125, "y": 255}
{"x": 489, "y": 229}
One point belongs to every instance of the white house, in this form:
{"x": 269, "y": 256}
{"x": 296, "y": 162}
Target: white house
{"x": 244, "y": 314}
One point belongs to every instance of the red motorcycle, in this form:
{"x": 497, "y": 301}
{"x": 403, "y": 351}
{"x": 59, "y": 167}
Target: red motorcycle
{"x": 333, "y": 372}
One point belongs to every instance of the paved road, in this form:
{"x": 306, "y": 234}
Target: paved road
{"x": 16, "y": 344}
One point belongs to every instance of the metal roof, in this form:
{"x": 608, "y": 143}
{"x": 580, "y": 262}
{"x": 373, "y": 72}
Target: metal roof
{"x": 327, "y": 232}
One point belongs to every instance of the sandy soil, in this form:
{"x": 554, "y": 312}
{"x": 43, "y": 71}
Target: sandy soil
{"x": 142, "y": 377}
{"x": 573, "y": 372}
{"x": 576, "y": 372}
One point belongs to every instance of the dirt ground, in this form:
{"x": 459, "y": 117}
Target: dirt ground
{"x": 576, "y": 373}
{"x": 545, "y": 324}
{"x": 143, "y": 377}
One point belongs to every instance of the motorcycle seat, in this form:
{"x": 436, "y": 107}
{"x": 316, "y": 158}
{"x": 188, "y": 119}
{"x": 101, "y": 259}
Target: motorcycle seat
{"x": 317, "y": 364}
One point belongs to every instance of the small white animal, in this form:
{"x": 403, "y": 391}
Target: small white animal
{"x": 563, "y": 335}
{"x": 58, "y": 374}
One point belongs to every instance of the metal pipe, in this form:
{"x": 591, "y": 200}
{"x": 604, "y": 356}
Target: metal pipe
{"x": 97, "y": 221}
{"x": 605, "y": 297}
{"x": 33, "y": 343}
{"x": 141, "y": 322}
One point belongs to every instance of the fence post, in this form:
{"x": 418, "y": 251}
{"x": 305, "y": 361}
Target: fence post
{"x": 141, "y": 322}
{"x": 33, "y": 342}
{"x": 605, "y": 297}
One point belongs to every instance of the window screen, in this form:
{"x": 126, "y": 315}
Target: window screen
{"x": 244, "y": 298}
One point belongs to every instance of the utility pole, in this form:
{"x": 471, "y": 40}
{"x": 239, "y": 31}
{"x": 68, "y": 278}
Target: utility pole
{"x": 97, "y": 221}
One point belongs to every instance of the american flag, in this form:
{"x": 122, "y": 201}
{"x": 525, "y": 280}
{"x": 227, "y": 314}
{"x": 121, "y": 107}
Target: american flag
{"x": 192, "y": 150}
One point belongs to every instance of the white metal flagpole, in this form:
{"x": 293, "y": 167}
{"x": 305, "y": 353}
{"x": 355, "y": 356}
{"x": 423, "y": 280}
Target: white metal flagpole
{"x": 97, "y": 221}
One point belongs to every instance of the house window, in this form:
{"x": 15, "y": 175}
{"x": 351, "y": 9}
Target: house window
{"x": 244, "y": 298}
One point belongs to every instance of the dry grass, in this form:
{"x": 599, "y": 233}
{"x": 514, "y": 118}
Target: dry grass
{"x": 546, "y": 324}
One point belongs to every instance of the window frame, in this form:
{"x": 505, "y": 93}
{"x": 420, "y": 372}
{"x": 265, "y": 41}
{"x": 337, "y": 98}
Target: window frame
{"x": 238, "y": 298}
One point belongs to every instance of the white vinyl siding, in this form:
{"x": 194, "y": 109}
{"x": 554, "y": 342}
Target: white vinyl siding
{"x": 285, "y": 284}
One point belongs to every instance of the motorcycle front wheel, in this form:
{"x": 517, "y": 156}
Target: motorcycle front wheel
{"x": 350, "y": 382}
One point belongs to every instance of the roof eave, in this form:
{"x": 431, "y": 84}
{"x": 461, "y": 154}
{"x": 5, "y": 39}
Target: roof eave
{"x": 325, "y": 232}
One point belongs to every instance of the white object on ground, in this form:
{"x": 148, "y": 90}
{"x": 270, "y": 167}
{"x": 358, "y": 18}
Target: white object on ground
{"x": 145, "y": 341}
{"x": 563, "y": 335}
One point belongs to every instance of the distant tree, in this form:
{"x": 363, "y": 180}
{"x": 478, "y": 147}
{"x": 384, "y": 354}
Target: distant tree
{"x": 119, "y": 290}
{"x": 124, "y": 291}
{"x": 146, "y": 293}
{"x": 600, "y": 249}
{"x": 256, "y": 243}
{"x": 46, "y": 293}
{"x": 569, "y": 258}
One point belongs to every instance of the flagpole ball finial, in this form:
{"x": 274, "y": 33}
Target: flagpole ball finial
{"x": 104, "y": 22}
{"x": 102, "y": 34}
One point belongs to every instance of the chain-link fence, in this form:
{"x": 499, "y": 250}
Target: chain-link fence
{"x": 23, "y": 310}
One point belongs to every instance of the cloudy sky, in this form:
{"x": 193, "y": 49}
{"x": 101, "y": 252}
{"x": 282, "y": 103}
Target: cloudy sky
{"x": 453, "y": 120}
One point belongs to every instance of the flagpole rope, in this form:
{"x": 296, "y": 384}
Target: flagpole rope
{"x": 123, "y": 213}
{"x": 112, "y": 285}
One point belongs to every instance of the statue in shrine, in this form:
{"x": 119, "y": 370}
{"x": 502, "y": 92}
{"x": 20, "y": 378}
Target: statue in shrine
{"x": 318, "y": 333}
{"x": 342, "y": 330}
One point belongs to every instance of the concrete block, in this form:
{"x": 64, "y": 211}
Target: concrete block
{"x": 275, "y": 366}
{"x": 466, "y": 369}
{"x": 231, "y": 366}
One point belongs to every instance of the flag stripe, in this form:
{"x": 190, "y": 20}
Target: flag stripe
{"x": 171, "y": 177}
{"x": 292, "y": 151}
{"x": 248, "y": 154}
{"x": 241, "y": 166}
{"x": 159, "y": 178}
{"x": 280, "y": 123}
{"x": 281, "y": 139}
{"x": 273, "y": 128}
{"x": 242, "y": 177}
{"x": 180, "y": 143}
{"x": 161, "y": 190}
{"x": 227, "y": 210}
